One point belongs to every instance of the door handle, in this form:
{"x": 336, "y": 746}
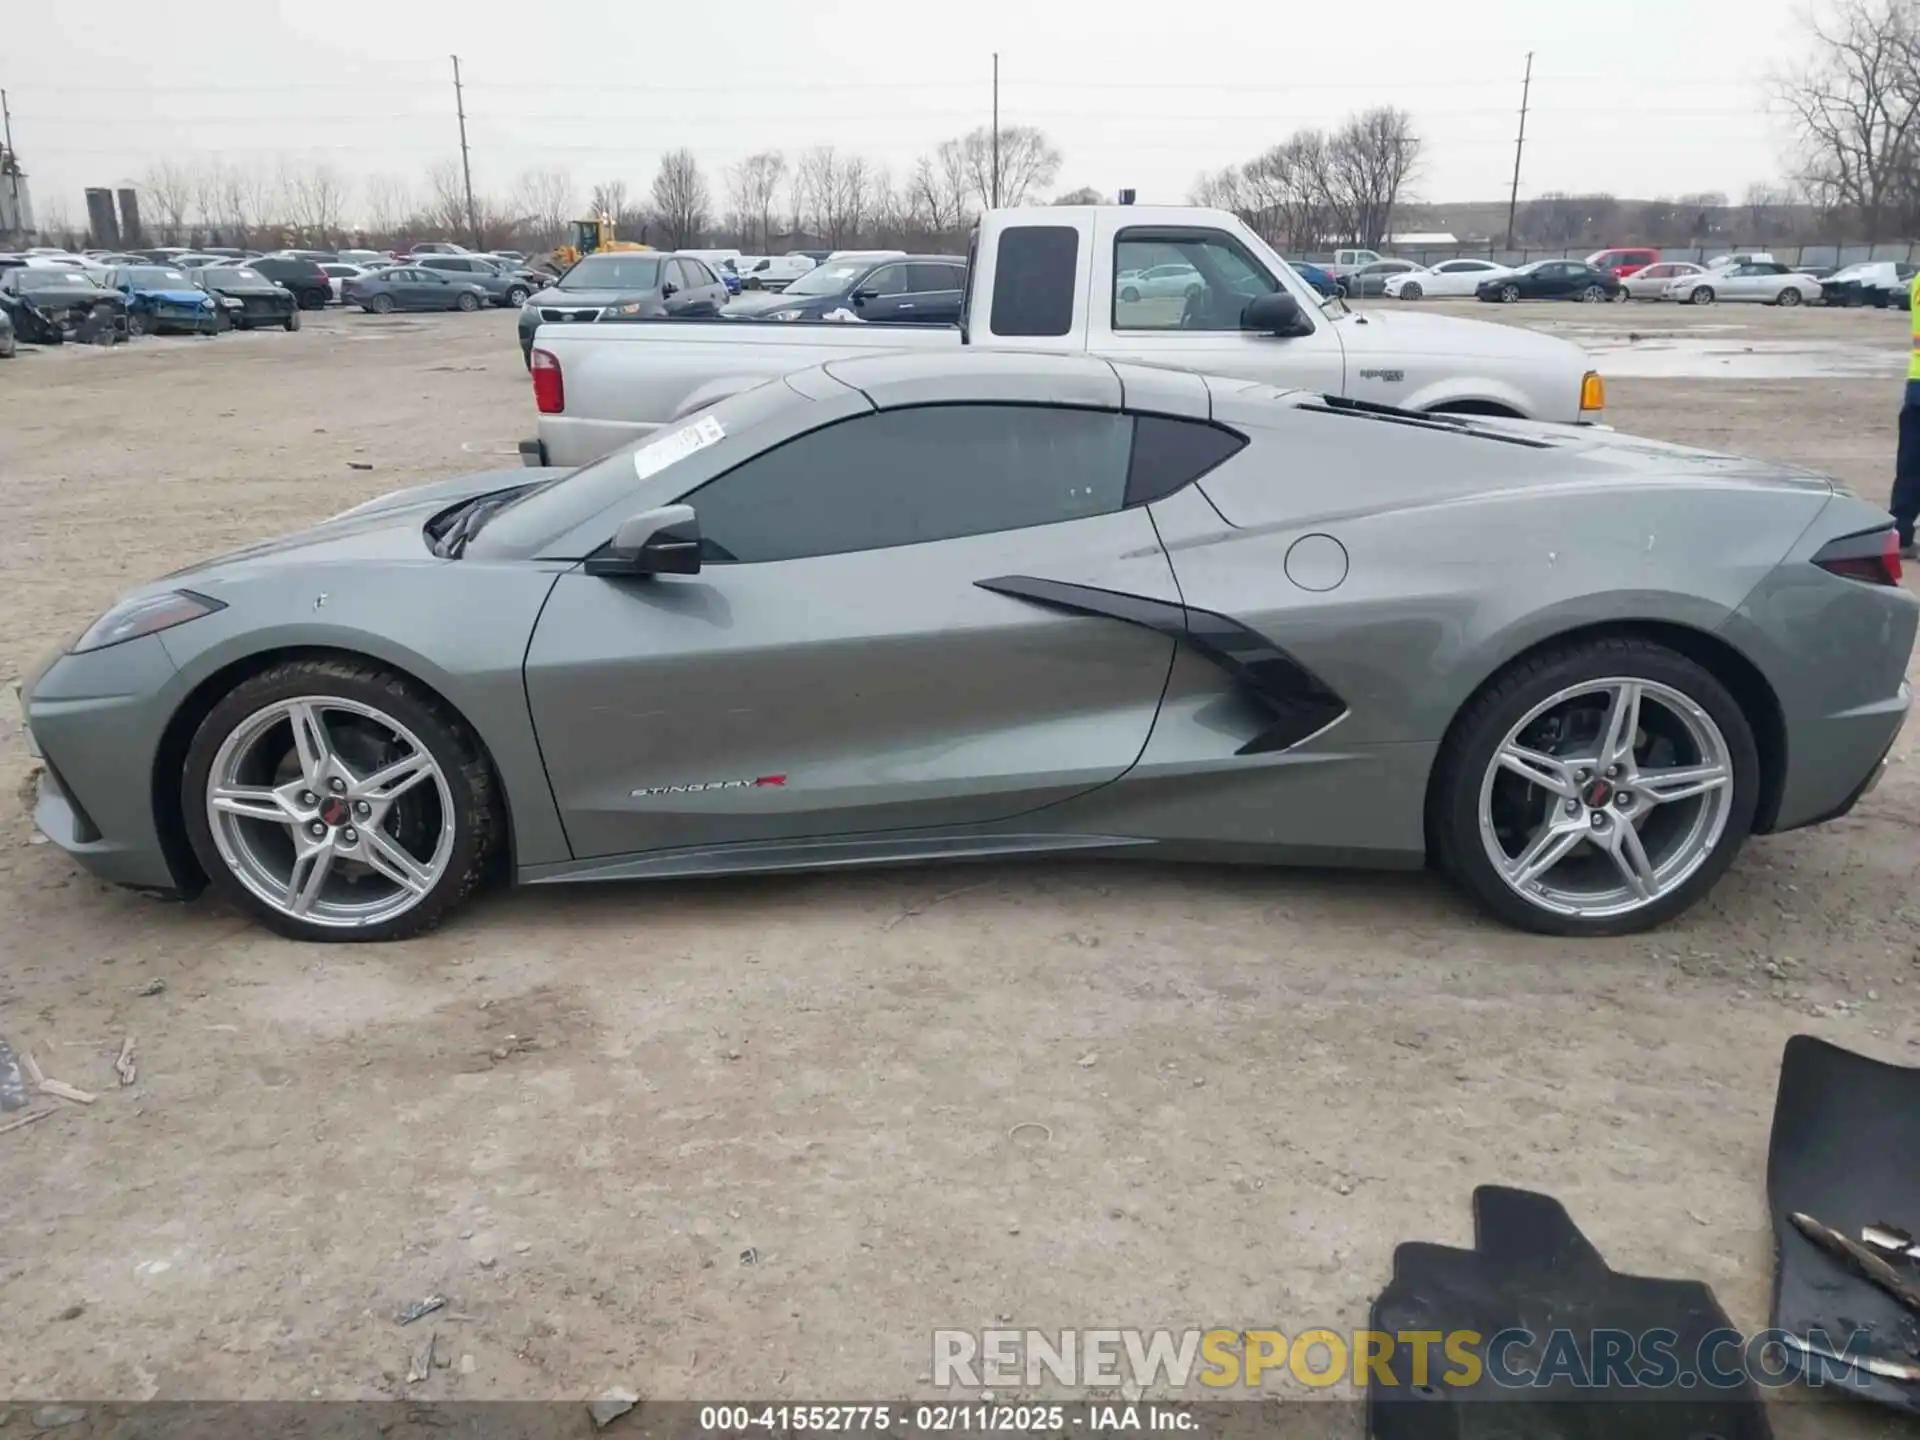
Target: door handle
{"x": 906, "y": 305}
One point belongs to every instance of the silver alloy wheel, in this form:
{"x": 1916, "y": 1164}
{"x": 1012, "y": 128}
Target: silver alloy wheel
{"x": 1789, "y": 296}
{"x": 1606, "y": 797}
{"x": 1593, "y": 294}
{"x": 317, "y": 836}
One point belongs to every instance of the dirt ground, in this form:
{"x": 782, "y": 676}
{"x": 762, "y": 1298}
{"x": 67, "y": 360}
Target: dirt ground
{"x": 753, "y": 1138}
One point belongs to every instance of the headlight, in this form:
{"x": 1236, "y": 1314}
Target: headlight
{"x": 782, "y": 315}
{"x": 632, "y": 307}
{"x": 147, "y": 615}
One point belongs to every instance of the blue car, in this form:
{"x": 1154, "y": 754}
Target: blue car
{"x": 1320, "y": 280}
{"x": 161, "y": 298}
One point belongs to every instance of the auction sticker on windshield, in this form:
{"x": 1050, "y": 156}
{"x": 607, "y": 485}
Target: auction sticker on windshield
{"x": 688, "y": 440}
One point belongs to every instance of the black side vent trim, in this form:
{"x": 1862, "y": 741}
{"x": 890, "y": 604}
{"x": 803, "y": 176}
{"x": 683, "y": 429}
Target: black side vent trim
{"x": 1393, "y": 415}
{"x": 1302, "y": 704}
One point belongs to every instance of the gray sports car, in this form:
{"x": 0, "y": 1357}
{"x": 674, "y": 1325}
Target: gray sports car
{"x": 914, "y": 607}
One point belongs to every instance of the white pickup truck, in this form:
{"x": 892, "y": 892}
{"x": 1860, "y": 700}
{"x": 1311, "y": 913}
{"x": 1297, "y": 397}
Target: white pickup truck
{"x": 1055, "y": 279}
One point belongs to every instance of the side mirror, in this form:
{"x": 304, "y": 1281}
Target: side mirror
{"x": 1275, "y": 313}
{"x": 669, "y": 289}
{"x": 860, "y": 297}
{"x": 665, "y": 541}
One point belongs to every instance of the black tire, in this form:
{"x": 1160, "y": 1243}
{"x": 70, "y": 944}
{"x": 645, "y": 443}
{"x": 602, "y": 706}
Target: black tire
{"x": 1594, "y": 294}
{"x": 469, "y": 777}
{"x": 1453, "y": 817}
{"x": 468, "y": 302}
{"x": 753, "y": 284}
{"x": 1509, "y": 294}
{"x": 1789, "y": 297}
{"x": 1129, "y": 294}
{"x": 222, "y": 322}
{"x": 1700, "y": 295}
{"x": 293, "y": 321}
{"x": 381, "y": 305}
{"x": 241, "y": 322}
{"x": 9, "y": 344}
{"x": 137, "y": 326}
{"x": 517, "y": 295}
{"x": 1411, "y": 290}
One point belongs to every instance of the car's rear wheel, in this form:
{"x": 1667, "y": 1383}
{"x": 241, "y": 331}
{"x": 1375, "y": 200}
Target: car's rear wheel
{"x": 1701, "y": 295}
{"x": 1509, "y": 294}
{"x": 1595, "y": 790}
{"x": 1594, "y": 294}
{"x": 1789, "y": 297}
{"x": 1411, "y": 290}
{"x": 468, "y": 302}
{"x": 293, "y": 320}
{"x": 335, "y": 800}
{"x": 381, "y": 305}
{"x": 1129, "y": 294}
{"x": 1621, "y": 296}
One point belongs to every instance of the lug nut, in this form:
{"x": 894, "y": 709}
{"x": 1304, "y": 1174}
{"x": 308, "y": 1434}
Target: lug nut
{"x": 1583, "y": 776}
{"x": 336, "y": 784}
{"x": 316, "y": 829}
{"x": 307, "y": 797}
{"x": 1624, "y": 800}
{"x": 1613, "y": 772}
{"x": 350, "y": 835}
{"x": 1599, "y": 819}
{"x": 1573, "y": 807}
{"x": 362, "y": 809}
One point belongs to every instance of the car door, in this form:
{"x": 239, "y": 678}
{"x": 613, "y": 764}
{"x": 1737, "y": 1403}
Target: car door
{"x": 709, "y": 290}
{"x": 879, "y": 295}
{"x": 1203, "y": 333}
{"x": 679, "y": 291}
{"x": 1557, "y": 279}
{"x": 937, "y": 291}
{"x": 838, "y": 665}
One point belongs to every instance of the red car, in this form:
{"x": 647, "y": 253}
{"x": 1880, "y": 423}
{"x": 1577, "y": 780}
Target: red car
{"x": 1620, "y": 263}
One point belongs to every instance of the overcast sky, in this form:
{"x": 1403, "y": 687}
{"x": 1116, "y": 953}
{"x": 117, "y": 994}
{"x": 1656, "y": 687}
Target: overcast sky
{"x": 1636, "y": 97}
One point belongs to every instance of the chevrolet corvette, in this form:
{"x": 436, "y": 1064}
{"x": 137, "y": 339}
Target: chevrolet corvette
{"x": 905, "y": 608}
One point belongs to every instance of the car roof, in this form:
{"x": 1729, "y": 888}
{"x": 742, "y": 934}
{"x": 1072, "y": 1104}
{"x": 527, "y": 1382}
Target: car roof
{"x": 980, "y": 377}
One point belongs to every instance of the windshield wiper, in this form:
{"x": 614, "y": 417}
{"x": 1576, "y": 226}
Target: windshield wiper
{"x": 466, "y": 522}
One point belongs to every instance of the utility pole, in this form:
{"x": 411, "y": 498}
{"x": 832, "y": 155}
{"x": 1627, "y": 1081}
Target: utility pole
{"x": 466, "y": 167}
{"x": 13, "y": 164}
{"x": 996, "y": 129}
{"x": 1513, "y": 196}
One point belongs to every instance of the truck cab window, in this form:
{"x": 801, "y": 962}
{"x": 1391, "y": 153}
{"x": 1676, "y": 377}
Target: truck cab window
{"x": 1036, "y": 268}
{"x": 1183, "y": 280}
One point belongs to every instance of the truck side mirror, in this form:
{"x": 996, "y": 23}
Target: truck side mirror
{"x": 1275, "y": 313}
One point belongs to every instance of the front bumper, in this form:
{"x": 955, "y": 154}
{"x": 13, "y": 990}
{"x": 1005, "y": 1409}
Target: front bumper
{"x": 96, "y": 720}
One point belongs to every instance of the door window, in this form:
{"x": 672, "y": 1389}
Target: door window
{"x": 1035, "y": 272}
{"x": 924, "y": 278}
{"x": 905, "y": 477}
{"x": 886, "y": 282}
{"x": 1216, "y": 278}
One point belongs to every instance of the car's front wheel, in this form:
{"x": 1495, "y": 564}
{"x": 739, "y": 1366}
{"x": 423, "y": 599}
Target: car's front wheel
{"x": 137, "y": 324}
{"x": 336, "y": 800}
{"x": 517, "y": 295}
{"x": 1700, "y": 295}
{"x": 1595, "y": 790}
{"x": 1411, "y": 290}
{"x": 293, "y": 319}
{"x": 468, "y": 301}
{"x": 1509, "y": 294}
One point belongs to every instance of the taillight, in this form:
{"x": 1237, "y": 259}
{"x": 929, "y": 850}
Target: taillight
{"x": 1872, "y": 556}
{"x": 549, "y": 390}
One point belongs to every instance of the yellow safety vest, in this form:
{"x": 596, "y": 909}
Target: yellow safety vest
{"x": 1913, "y": 357}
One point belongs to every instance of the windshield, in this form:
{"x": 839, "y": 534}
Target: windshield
{"x": 153, "y": 277}
{"x": 236, "y": 272}
{"x": 829, "y": 279}
{"x": 613, "y": 272}
{"x": 1531, "y": 266}
{"x": 46, "y": 278}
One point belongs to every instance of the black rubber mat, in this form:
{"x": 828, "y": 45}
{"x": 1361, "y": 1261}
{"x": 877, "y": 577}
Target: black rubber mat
{"x": 1846, "y": 1151}
{"x": 1532, "y": 1270}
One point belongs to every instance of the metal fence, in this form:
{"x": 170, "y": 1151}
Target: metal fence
{"x": 1835, "y": 255}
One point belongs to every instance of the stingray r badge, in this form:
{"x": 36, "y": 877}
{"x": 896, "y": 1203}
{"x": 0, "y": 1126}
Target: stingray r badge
{"x": 759, "y": 782}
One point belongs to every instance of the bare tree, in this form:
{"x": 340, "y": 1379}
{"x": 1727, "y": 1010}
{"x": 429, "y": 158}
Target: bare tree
{"x": 1086, "y": 195}
{"x": 937, "y": 190}
{"x": 815, "y": 180}
{"x": 1854, "y": 107}
{"x": 316, "y": 199}
{"x": 752, "y": 186}
{"x": 681, "y": 201}
{"x": 610, "y": 199}
{"x": 852, "y": 199}
{"x": 390, "y": 203}
{"x": 446, "y": 205}
{"x": 1369, "y": 161}
{"x": 1028, "y": 162}
{"x": 168, "y": 187}
{"x": 206, "y": 193}
{"x": 544, "y": 198}
{"x": 1766, "y": 209}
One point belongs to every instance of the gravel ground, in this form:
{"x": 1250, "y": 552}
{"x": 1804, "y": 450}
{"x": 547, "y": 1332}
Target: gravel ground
{"x": 574, "y": 1112}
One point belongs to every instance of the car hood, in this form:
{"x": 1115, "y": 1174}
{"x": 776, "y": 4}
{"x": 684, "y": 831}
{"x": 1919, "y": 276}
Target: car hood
{"x": 1395, "y": 332}
{"x": 68, "y": 294}
{"x": 758, "y": 302}
{"x": 248, "y": 288}
{"x": 176, "y": 297}
{"x": 556, "y": 298}
{"x": 387, "y": 528}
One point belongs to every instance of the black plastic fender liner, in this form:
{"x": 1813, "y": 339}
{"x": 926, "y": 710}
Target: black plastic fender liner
{"x": 1553, "y": 1322}
{"x": 1845, "y": 1150}
{"x": 1301, "y": 703}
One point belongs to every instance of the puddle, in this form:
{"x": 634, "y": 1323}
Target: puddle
{"x": 1674, "y": 358}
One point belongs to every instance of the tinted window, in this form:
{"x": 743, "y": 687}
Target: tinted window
{"x": 904, "y": 477}
{"x": 1035, "y": 271}
{"x": 1211, "y": 280}
{"x": 925, "y": 278}
{"x": 613, "y": 272}
{"x": 887, "y": 280}
{"x": 1168, "y": 454}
